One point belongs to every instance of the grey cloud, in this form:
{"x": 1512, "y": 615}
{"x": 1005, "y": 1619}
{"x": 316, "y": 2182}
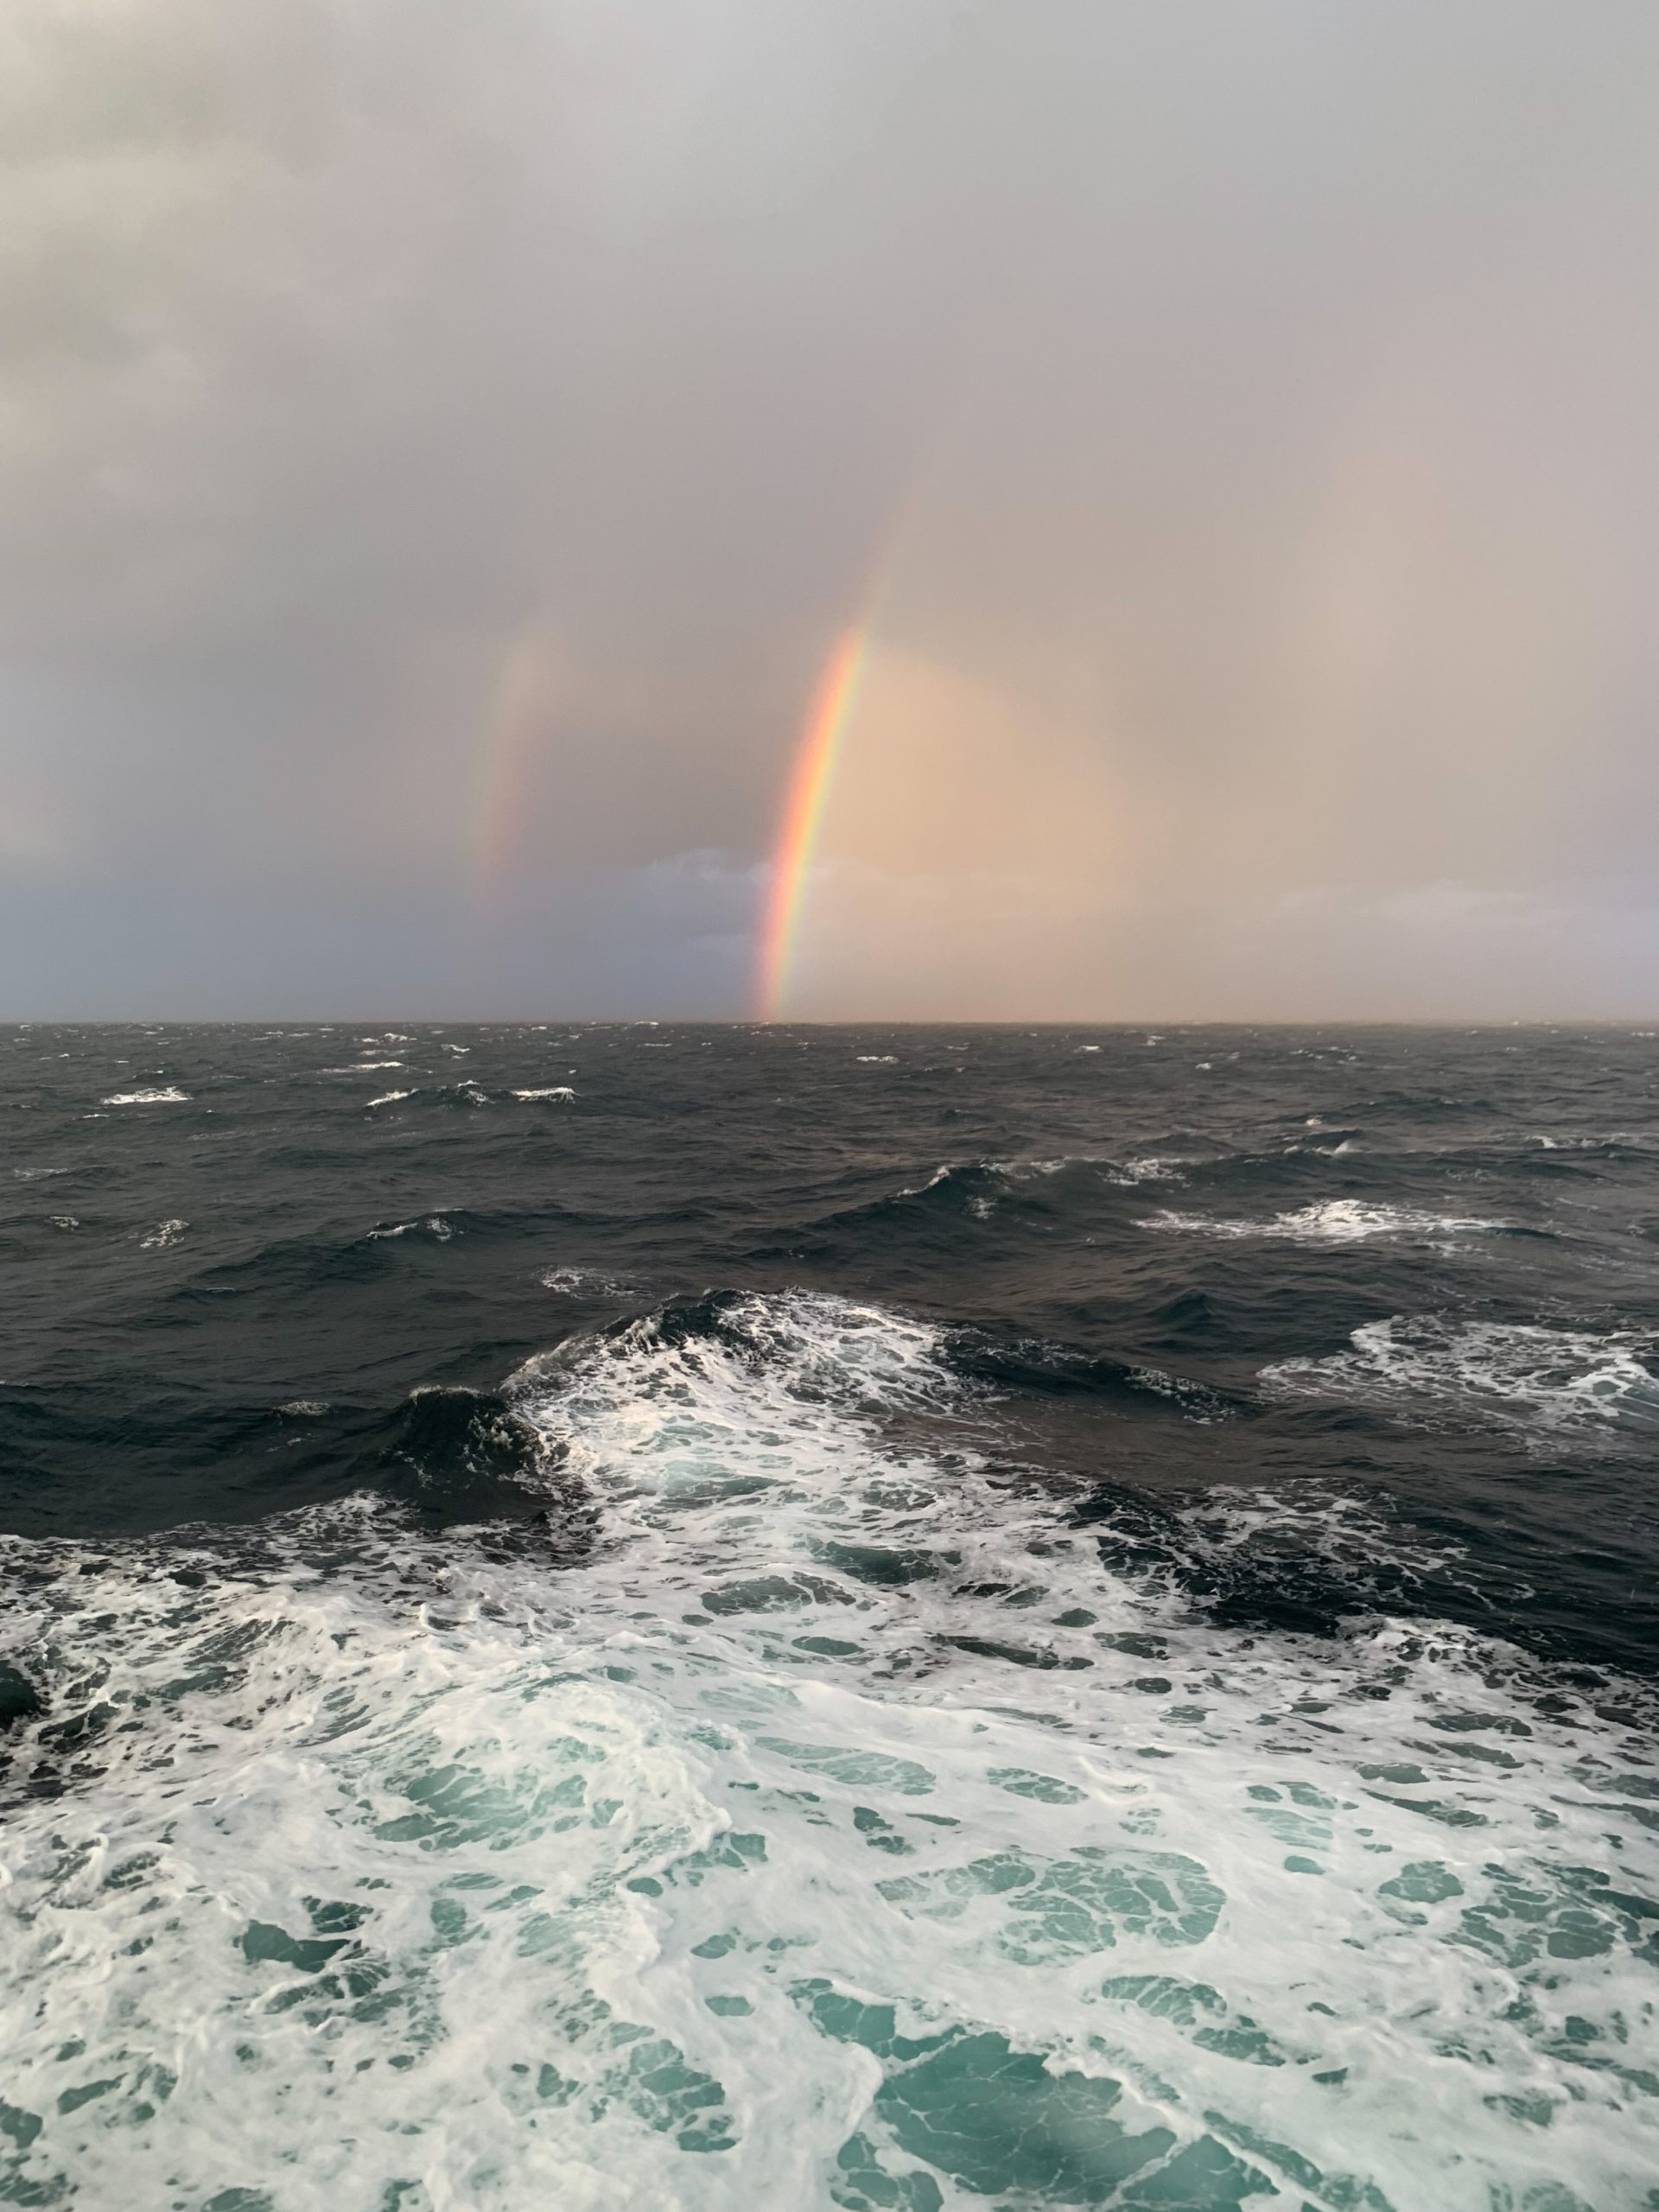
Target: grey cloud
{"x": 1256, "y": 401}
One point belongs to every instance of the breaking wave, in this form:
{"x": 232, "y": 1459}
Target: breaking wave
{"x": 1524, "y": 1375}
{"x": 1334, "y": 1221}
{"x": 819, "y": 1820}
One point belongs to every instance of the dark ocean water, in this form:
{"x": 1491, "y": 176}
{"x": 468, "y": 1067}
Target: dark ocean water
{"x": 635, "y": 1617}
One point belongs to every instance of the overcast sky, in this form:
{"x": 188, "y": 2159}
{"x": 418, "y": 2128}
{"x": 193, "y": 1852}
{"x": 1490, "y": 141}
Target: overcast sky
{"x": 440, "y": 444}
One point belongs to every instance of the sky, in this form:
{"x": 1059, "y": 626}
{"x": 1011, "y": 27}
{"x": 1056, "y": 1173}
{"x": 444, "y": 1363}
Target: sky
{"x": 441, "y": 449}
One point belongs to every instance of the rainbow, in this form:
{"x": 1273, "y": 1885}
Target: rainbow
{"x": 802, "y": 816}
{"x": 514, "y": 728}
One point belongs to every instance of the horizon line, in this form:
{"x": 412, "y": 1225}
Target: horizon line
{"x": 1025, "y": 1022}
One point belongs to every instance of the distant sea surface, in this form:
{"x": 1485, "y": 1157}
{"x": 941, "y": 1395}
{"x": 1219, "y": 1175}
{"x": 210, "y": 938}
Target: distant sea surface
{"x": 650, "y": 1617}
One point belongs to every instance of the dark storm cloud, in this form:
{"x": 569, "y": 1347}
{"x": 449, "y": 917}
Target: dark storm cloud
{"x": 1253, "y": 405}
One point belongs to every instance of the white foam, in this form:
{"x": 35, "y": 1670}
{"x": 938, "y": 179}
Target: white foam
{"x": 878, "y": 1059}
{"x": 390, "y": 1098}
{"x": 169, "y": 1095}
{"x": 1026, "y": 1170}
{"x": 362, "y": 1067}
{"x": 163, "y": 1234}
{"x": 1125, "y": 1172}
{"x": 1154, "y": 1168}
{"x": 1523, "y": 1374}
{"x": 64, "y": 1220}
{"x": 1332, "y": 1221}
{"x": 562, "y": 1091}
{"x": 1197, "y": 1401}
{"x": 618, "y": 1859}
{"x": 1633, "y": 1139}
{"x": 431, "y": 1224}
{"x": 575, "y": 1282}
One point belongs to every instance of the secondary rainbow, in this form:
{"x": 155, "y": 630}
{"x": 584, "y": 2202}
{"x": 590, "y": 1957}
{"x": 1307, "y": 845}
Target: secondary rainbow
{"x": 802, "y": 817}
{"x": 515, "y": 728}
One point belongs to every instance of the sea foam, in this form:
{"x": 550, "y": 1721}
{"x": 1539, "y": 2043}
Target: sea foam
{"x": 1334, "y": 1221}
{"x": 1522, "y": 1375}
{"x": 844, "y": 1833}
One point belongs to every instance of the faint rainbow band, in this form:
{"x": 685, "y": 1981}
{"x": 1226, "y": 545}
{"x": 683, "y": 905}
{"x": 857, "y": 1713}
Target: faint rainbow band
{"x": 521, "y": 697}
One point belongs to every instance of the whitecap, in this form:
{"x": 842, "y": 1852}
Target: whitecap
{"x": 1331, "y": 1221}
{"x": 390, "y": 1098}
{"x": 1127, "y": 1171}
{"x": 1198, "y": 1403}
{"x": 575, "y": 1282}
{"x": 431, "y": 1224}
{"x": 1152, "y": 1168}
{"x": 163, "y": 1234}
{"x": 562, "y": 1091}
{"x": 1525, "y": 1375}
{"x": 169, "y": 1095}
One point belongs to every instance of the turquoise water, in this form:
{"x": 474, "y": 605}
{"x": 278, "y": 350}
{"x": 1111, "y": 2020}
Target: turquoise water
{"x": 842, "y": 1833}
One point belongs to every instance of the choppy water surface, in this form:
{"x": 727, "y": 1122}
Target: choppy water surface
{"x": 636, "y": 1618}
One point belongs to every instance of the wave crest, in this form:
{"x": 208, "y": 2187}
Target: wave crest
{"x": 1522, "y": 1375}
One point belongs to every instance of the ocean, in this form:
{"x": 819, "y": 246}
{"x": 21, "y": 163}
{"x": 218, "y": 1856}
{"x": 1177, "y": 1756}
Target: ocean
{"x": 774, "y": 1618}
